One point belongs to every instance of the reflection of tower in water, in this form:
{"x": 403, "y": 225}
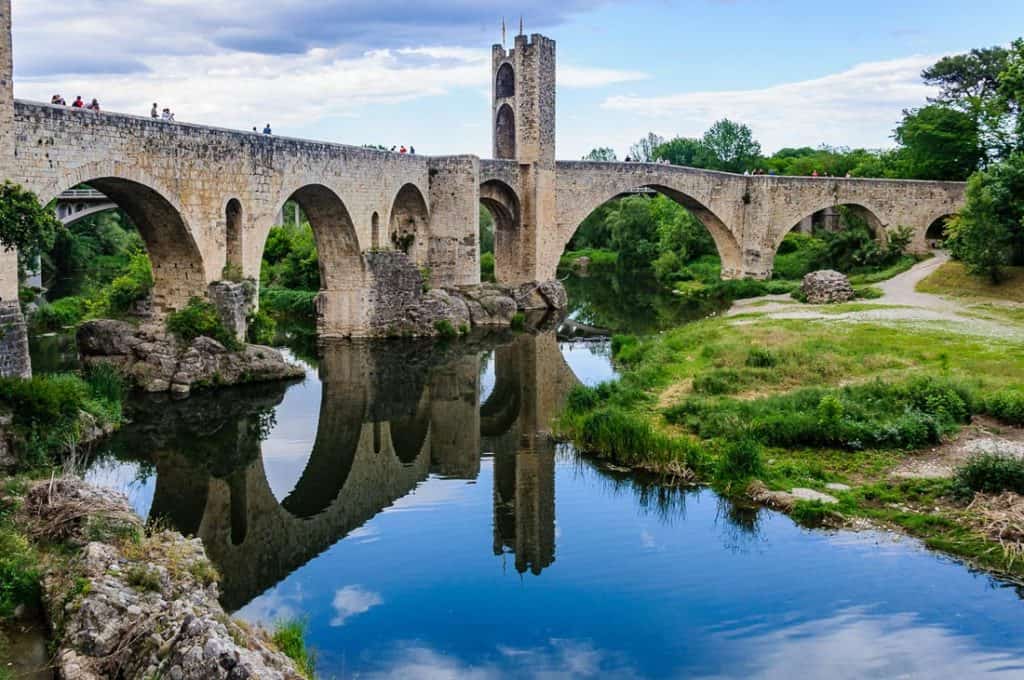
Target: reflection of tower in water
{"x": 531, "y": 381}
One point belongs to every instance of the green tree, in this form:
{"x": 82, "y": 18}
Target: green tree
{"x": 486, "y": 231}
{"x": 25, "y": 224}
{"x": 643, "y": 150}
{"x": 988, "y": 234}
{"x": 633, "y": 233}
{"x": 601, "y": 153}
{"x": 939, "y": 143}
{"x": 684, "y": 151}
{"x": 971, "y": 83}
{"x": 731, "y": 146}
{"x": 1011, "y": 89}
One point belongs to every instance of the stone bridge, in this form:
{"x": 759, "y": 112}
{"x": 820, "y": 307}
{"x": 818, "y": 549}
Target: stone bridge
{"x": 204, "y": 199}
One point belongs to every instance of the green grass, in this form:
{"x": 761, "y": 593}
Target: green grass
{"x": 952, "y": 278}
{"x": 290, "y": 638}
{"x": 905, "y": 263}
{"x": 990, "y": 474}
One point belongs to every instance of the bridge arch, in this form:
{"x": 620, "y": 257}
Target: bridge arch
{"x": 502, "y": 203}
{"x": 832, "y": 220}
{"x": 179, "y": 270}
{"x": 935, "y": 234}
{"x": 505, "y": 133}
{"x": 726, "y": 243}
{"x": 409, "y": 224}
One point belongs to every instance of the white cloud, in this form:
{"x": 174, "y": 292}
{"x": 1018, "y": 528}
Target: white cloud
{"x": 856, "y": 107}
{"x": 351, "y": 601}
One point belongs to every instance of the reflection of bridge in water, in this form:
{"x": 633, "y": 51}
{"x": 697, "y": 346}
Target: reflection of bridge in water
{"x": 388, "y": 419}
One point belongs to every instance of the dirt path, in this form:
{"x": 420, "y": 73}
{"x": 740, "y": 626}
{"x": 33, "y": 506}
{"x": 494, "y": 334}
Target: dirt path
{"x": 900, "y": 302}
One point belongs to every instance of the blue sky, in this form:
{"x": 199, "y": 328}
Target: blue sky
{"x": 402, "y": 72}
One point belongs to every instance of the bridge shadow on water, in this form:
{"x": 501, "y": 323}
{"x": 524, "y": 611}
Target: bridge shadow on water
{"x": 390, "y": 415}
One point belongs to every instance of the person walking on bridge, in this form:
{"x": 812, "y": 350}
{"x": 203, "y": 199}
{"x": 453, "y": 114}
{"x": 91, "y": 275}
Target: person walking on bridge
{"x": 57, "y": 100}
{"x": 154, "y": 113}
{"x": 94, "y": 105}
{"x": 267, "y": 130}
{"x": 78, "y": 103}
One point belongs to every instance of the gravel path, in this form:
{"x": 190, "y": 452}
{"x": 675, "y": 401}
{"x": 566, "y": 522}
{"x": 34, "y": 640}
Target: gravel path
{"x": 901, "y": 302}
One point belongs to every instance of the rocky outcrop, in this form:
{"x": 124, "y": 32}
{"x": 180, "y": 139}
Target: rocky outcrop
{"x": 158, "y": 362}
{"x": 825, "y": 287}
{"x": 131, "y": 607}
{"x": 403, "y": 306}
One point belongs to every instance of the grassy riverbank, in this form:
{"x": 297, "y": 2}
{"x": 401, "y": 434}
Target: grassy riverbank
{"x": 804, "y": 403}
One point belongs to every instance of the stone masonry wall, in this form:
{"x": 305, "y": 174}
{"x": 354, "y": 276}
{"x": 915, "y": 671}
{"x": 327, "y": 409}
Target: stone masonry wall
{"x": 14, "y": 355}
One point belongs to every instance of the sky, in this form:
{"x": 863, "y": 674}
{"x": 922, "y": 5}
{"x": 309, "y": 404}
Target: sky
{"x": 417, "y": 72}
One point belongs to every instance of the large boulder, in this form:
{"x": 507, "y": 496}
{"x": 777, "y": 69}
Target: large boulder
{"x": 825, "y": 287}
{"x": 541, "y": 295}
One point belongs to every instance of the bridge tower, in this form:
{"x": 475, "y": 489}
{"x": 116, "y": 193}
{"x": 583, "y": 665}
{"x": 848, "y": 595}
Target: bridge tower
{"x": 14, "y": 357}
{"x": 523, "y": 125}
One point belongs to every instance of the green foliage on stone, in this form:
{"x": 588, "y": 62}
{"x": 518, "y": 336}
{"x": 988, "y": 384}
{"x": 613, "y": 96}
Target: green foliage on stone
{"x": 199, "y": 318}
{"x": 262, "y": 328}
{"x": 445, "y": 329}
{"x": 290, "y": 637}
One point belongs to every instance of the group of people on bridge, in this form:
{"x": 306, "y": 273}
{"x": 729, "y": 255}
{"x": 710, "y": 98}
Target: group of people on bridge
{"x": 166, "y": 114}
{"x": 79, "y": 103}
{"x": 402, "y": 150}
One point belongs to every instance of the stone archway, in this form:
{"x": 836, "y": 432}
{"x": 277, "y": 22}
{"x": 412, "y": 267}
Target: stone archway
{"x": 178, "y": 268}
{"x": 935, "y": 234}
{"x": 502, "y": 203}
{"x": 340, "y": 306}
{"x": 505, "y": 82}
{"x": 409, "y": 224}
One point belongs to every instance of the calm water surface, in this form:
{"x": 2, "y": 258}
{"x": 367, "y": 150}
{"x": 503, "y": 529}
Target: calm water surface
{"x": 408, "y": 504}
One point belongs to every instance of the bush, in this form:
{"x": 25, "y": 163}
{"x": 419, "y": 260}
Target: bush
{"x": 487, "y": 267}
{"x": 445, "y": 329}
{"x": 518, "y": 321}
{"x": 197, "y": 319}
{"x": 761, "y": 357}
{"x": 1007, "y": 406}
{"x": 290, "y": 638}
{"x": 990, "y": 474}
{"x": 106, "y": 382}
{"x": 718, "y": 381}
{"x": 283, "y": 302}
{"x": 53, "y": 316}
{"x": 19, "y": 575}
{"x": 868, "y": 292}
{"x": 741, "y": 459}
{"x": 43, "y": 400}
{"x": 129, "y": 288}
{"x": 262, "y": 328}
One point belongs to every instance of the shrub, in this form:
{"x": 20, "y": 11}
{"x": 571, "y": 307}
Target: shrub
{"x": 53, "y": 316}
{"x": 990, "y": 473}
{"x": 43, "y": 400}
{"x": 290, "y": 638}
{"x": 487, "y": 267}
{"x": 106, "y": 382}
{"x": 19, "y": 575}
{"x": 518, "y": 321}
{"x": 741, "y": 459}
{"x": 1007, "y": 406}
{"x": 868, "y": 292}
{"x": 143, "y": 578}
{"x": 200, "y": 318}
{"x": 262, "y": 328}
{"x": 717, "y": 381}
{"x": 761, "y": 357}
{"x": 297, "y": 304}
{"x": 445, "y": 329}
{"x": 129, "y": 288}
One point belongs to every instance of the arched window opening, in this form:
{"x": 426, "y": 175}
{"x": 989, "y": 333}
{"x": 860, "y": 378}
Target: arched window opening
{"x": 375, "y": 231}
{"x": 505, "y": 134}
{"x": 505, "y": 86}
{"x": 233, "y": 223}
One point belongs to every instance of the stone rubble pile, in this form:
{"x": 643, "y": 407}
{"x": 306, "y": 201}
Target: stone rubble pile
{"x": 825, "y": 287}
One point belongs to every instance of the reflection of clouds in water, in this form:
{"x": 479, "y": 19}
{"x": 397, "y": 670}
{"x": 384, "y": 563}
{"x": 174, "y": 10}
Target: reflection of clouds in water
{"x": 287, "y": 450}
{"x": 589, "y": 361}
{"x": 854, "y": 644}
{"x": 351, "y": 601}
{"x": 113, "y": 474}
{"x": 363, "y": 534}
{"x": 273, "y": 606}
{"x": 559, "y": 658}
{"x": 647, "y": 540}
{"x": 429, "y": 496}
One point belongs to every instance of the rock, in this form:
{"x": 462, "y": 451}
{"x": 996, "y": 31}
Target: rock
{"x": 541, "y": 295}
{"x": 812, "y": 495}
{"x": 825, "y": 287}
{"x": 170, "y": 626}
{"x": 157, "y": 362}
{"x": 234, "y": 301}
{"x": 8, "y": 459}
{"x": 837, "y": 487}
